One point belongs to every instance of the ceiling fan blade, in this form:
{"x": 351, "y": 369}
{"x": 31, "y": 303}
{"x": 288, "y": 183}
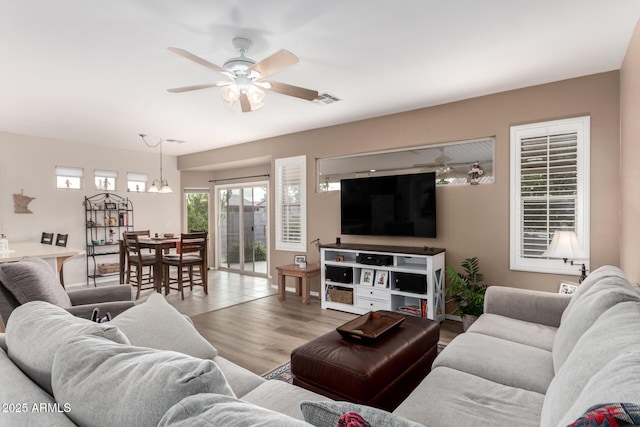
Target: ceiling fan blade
{"x": 197, "y": 87}
{"x": 197, "y": 59}
{"x": 274, "y": 63}
{"x": 290, "y": 90}
{"x": 244, "y": 103}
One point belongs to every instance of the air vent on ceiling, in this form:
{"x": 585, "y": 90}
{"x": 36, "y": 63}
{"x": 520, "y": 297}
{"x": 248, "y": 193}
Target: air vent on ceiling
{"x": 326, "y": 98}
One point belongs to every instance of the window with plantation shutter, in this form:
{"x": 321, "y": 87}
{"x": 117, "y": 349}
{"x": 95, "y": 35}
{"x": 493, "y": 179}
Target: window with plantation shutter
{"x": 291, "y": 204}
{"x": 549, "y": 191}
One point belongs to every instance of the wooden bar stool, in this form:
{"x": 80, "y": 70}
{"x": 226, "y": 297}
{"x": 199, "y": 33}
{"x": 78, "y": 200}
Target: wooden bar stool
{"x": 192, "y": 253}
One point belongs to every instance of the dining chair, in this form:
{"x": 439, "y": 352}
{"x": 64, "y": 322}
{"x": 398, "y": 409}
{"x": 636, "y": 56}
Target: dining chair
{"x": 61, "y": 240}
{"x": 136, "y": 259}
{"x": 47, "y": 238}
{"x": 192, "y": 254}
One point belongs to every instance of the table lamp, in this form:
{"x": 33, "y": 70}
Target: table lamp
{"x": 565, "y": 246}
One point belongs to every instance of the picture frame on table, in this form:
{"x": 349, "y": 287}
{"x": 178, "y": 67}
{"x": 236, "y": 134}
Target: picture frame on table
{"x": 567, "y": 288}
{"x": 382, "y": 278}
{"x": 366, "y": 277}
{"x": 300, "y": 261}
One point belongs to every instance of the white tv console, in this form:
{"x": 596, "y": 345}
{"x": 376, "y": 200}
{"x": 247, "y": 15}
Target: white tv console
{"x": 370, "y": 296}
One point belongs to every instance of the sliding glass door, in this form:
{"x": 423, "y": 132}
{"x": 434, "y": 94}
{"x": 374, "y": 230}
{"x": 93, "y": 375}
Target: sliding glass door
{"x": 242, "y": 238}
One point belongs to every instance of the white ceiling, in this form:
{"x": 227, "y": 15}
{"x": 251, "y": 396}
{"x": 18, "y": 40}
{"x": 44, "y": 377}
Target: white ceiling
{"x": 97, "y": 71}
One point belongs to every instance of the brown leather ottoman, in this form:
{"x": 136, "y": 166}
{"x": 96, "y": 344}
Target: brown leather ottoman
{"x": 379, "y": 373}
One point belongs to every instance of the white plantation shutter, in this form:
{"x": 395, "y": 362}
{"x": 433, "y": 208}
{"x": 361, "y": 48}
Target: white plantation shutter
{"x": 291, "y": 203}
{"x": 549, "y": 190}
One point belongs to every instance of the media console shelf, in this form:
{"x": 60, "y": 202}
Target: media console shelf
{"x": 411, "y": 281}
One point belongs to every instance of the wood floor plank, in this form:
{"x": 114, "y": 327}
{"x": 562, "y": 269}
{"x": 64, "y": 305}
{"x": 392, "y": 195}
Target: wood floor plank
{"x": 260, "y": 335}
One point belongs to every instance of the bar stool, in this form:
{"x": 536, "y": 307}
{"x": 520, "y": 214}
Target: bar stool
{"x": 136, "y": 259}
{"x": 193, "y": 253}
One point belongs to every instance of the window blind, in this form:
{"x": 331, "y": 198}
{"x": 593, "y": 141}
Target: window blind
{"x": 548, "y": 189}
{"x": 291, "y": 203}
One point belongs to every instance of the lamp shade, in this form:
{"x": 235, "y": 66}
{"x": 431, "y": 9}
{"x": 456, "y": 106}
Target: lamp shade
{"x": 565, "y": 245}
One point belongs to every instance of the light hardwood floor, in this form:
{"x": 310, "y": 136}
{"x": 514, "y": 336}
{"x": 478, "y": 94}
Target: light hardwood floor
{"x": 243, "y": 318}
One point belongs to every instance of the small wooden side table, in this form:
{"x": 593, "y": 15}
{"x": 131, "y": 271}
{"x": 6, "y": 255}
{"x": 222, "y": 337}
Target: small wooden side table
{"x": 302, "y": 276}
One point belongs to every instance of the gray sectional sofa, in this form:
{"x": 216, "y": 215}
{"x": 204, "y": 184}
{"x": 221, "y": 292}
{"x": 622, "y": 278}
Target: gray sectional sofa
{"x": 537, "y": 359}
{"x": 533, "y": 359}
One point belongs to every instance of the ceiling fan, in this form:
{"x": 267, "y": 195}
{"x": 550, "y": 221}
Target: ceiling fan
{"x": 246, "y": 77}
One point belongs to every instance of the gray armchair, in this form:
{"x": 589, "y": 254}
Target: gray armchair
{"x": 32, "y": 279}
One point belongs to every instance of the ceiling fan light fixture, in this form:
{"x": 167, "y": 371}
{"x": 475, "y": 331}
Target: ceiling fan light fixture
{"x": 230, "y": 93}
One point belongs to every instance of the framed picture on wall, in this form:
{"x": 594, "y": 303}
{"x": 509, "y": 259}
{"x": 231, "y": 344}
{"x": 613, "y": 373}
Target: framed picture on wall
{"x": 366, "y": 277}
{"x": 382, "y": 277}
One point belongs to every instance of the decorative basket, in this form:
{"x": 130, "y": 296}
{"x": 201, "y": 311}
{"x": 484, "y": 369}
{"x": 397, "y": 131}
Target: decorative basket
{"x": 108, "y": 268}
{"x": 344, "y": 296}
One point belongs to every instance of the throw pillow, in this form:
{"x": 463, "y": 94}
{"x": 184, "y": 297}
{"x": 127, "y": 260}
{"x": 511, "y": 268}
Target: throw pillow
{"x": 210, "y": 410}
{"x": 122, "y": 385}
{"x": 37, "y": 329}
{"x": 610, "y": 414}
{"x": 32, "y": 279}
{"x": 156, "y": 324}
{"x": 322, "y": 414}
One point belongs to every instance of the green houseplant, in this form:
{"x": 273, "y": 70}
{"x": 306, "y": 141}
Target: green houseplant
{"x": 467, "y": 290}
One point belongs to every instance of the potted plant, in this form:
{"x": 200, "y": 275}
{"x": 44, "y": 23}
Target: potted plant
{"x": 467, "y": 290}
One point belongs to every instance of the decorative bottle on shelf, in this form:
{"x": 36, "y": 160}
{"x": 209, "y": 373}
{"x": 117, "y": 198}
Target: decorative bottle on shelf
{"x": 4, "y": 243}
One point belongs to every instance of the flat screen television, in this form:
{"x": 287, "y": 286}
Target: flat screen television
{"x": 398, "y": 205}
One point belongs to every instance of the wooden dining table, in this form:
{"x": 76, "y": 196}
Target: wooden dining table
{"x": 160, "y": 245}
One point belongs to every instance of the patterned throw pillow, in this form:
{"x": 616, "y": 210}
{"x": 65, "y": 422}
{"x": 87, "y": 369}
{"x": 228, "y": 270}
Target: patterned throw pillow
{"x": 610, "y": 415}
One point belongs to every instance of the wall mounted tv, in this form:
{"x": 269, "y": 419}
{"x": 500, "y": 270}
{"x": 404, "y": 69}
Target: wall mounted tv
{"x": 398, "y": 205}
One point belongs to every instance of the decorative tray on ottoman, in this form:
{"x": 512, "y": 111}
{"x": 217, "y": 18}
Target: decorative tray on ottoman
{"x": 371, "y": 325}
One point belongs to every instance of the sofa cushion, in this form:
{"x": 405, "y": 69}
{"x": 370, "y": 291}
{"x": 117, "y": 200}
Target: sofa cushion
{"x": 515, "y": 330}
{"x": 616, "y": 382}
{"x": 499, "y": 360}
{"x": 241, "y": 380}
{"x": 281, "y": 397}
{"x": 615, "y": 332}
{"x": 24, "y": 399}
{"x": 601, "y": 296}
{"x": 214, "y": 410}
{"x": 32, "y": 279}
{"x": 327, "y": 414}
{"x": 156, "y": 324}
{"x": 448, "y": 397}
{"x": 123, "y": 385}
{"x": 592, "y": 279}
{"x": 37, "y": 329}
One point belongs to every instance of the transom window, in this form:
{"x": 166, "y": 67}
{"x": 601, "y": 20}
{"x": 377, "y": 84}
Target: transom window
{"x": 69, "y": 178}
{"x": 105, "y": 180}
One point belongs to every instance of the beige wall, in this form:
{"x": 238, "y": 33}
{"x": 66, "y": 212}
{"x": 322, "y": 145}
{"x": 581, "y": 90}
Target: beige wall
{"x": 629, "y": 156}
{"x": 28, "y": 163}
{"x": 472, "y": 220}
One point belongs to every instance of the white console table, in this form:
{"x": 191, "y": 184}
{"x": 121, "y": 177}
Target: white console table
{"x": 419, "y": 261}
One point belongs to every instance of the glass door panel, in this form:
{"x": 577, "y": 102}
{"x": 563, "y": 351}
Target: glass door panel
{"x": 242, "y": 221}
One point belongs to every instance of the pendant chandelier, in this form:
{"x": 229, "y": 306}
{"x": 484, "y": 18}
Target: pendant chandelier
{"x": 158, "y": 185}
